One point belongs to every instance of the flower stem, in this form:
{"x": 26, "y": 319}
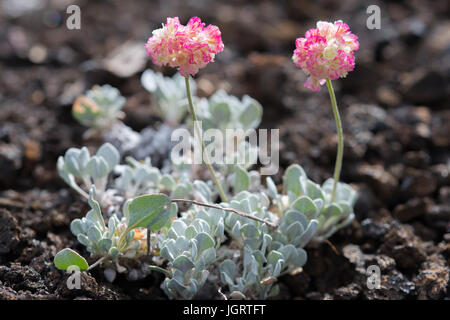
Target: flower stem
{"x": 340, "y": 151}
{"x": 199, "y": 134}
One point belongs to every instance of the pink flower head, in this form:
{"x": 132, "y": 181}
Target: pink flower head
{"x": 188, "y": 48}
{"x": 326, "y": 52}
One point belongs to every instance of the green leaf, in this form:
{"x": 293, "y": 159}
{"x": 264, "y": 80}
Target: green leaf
{"x": 152, "y": 211}
{"x": 110, "y": 154}
{"x": 220, "y": 112}
{"x": 76, "y": 227}
{"x": 251, "y": 116}
{"x": 67, "y": 257}
{"x": 183, "y": 263}
{"x": 271, "y": 187}
{"x": 159, "y": 269}
{"x": 241, "y": 179}
{"x": 292, "y": 179}
{"x": 274, "y": 256}
{"x": 306, "y": 206}
{"x": 204, "y": 241}
{"x": 97, "y": 167}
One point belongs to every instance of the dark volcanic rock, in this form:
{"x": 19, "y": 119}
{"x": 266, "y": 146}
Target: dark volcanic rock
{"x": 393, "y": 284}
{"x": 9, "y": 233}
{"x": 412, "y": 209}
{"x": 404, "y": 246}
{"x": 433, "y": 277}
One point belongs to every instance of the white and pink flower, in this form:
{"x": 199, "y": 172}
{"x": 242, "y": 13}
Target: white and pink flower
{"x": 326, "y": 52}
{"x": 188, "y": 48}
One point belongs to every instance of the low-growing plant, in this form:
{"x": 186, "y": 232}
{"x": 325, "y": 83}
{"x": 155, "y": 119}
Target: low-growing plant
{"x": 167, "y": 95}
{"x": 99, "y": 108}
{"x": 256, "y": 233}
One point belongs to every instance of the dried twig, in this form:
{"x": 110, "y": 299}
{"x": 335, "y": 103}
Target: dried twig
{"x": 243, "y": 214}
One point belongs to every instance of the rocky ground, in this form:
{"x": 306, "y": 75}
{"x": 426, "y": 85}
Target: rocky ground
{"x": 395, "y": 109}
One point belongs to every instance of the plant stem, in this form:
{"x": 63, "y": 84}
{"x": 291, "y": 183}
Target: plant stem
{"x": 96, "y": 263}
{"x": 340, "y": 151}
{"x": 199, "y": 134}
{"x": 241, "y": 213}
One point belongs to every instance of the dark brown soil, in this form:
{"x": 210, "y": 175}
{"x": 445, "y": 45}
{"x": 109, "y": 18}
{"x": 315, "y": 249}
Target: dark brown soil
{"x": 395, "y": 109}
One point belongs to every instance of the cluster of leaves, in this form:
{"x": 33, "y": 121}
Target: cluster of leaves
{"x": 190, "y": 247}
{"x": 119, "y": 238}
{"x": 143, "y": 217}
{"x": 168, "y": 95}
{"x": 315, "y": 201}
{"x": 116, "y": 182}
{"x": 99, "y": 108}
{"x": 78, "y": 165}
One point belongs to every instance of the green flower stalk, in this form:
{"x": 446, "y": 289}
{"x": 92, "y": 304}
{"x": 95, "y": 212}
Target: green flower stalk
{"x": 340, "y": 150}
{"x": 199, "y": 135}
{"x": 327, "y": 53}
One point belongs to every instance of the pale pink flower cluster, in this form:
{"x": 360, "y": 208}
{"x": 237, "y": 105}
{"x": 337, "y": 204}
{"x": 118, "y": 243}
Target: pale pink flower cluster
{"x": 326, "y": 52}
{"x": 188, "y": 48}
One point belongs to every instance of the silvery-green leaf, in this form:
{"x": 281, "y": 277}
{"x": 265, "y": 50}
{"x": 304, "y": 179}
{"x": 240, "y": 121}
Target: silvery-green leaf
{"x": 203, "y": 189}
{"x": 190, "y": 232}
{"x": 169, "y": 250}
{"x": 220, "y": 229}
{"x": 294, "y": 230}
{"x": 125, "y": 211}
{"x": 271, "y": 187}
{"x": 129, "y": 237}
{"x": 113, "y": 252}
{"x": 292, "y": 215}
{"x": 71, "y": 161}
{"x": 204, "y": 241}
{"x": 83, "y": 158}
{"x": 300, "y": 259}
{"x": 220, "y": 112}
{"x": 105, "y": 244}
{"x": 208, "y": 257}
{"x": 309, "y": 233}
{"x": 249, "y": 231}
{"x": 251, "y": 116}
{"x": 229, "y": 268}
{"x": 236, "y": 231}
{"x": 313, "y": 190}
{"x": 179, "y": 227}
{"x": 273, "y": 257}
{"x": 278, "y": 268}
{"x": 94, "y": 234}
{"x": 319, "y": 204}
{"x": 306, "y": 206}
{"x": 110, "y": 154}
{"x": 76, "y": 227}
{"x": 259, "y": 257}
{"x": 333, "y": 210}
{"x": 167, "y": 181}
{"x": 201, "y": 225}
{"x": 241, "y": 179}
{"x": 180, "y": 192}
{"x": 183, "y": 263}
{"x": 237, "y": 295}
{"x": 292, "y": 179}
{"x": 182, "y": 243}
{"x": 112, "y": 225}
{"x": 267, "y": 240}
{"x": 97, "y": 167}
{"x": 62, "y": 171}
{"x": 97, "y": 212}
{"x": 83, "y": 239}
